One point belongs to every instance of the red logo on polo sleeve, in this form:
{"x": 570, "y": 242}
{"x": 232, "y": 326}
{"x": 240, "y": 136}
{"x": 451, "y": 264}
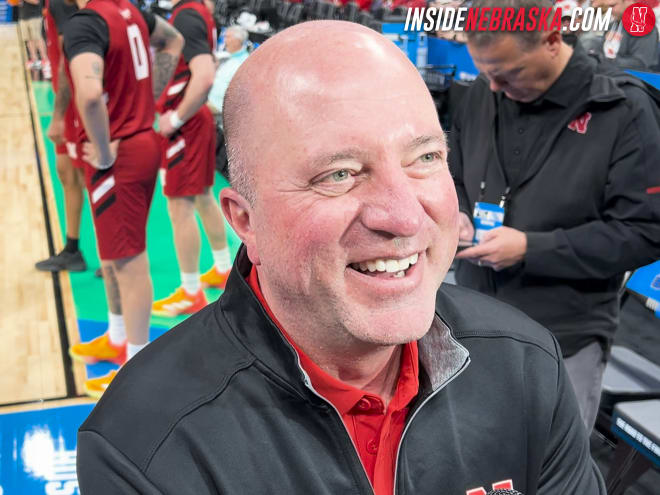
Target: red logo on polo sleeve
{"x": 638, "y": 19}
{"x": 579, "y": 125}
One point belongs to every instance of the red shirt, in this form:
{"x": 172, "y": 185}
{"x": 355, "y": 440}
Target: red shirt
{"x": 376, "y": 432}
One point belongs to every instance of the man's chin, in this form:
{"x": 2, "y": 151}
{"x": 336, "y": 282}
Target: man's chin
{"x": 395, "y": 329}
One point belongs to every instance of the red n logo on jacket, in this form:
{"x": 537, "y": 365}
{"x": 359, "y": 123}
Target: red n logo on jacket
{"x": 580, "y": 124}
{"x": 500, "y": 485}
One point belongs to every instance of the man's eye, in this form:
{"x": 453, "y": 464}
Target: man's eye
{"x": 340, "y": 175}
{"x": 430, "y": 157}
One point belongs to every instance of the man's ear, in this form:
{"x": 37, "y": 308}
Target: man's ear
{"x": 554, "y": 41}
{"x": 237, "y": 211}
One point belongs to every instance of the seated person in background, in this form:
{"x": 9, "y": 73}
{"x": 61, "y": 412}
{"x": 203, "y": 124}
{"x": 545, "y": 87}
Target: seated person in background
{"x": 235, "y": 38}
{"x": 231, "y": 59}
{"x": 626, "y": 50}
{"x": 332, "y": 364}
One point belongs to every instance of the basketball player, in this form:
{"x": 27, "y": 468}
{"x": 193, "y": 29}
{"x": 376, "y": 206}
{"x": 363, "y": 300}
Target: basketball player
{"x": 188, "y": 144}
{"x": 106, "y": 45}
{"x": 60, "y": 132}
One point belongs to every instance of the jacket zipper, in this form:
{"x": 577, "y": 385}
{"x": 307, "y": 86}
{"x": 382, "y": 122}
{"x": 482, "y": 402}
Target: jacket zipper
{"x": 431, "y": 395}
{"x": 308, "y": 384}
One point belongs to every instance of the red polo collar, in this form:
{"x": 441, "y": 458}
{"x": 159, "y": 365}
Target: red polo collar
{"x": 375, "y": 432}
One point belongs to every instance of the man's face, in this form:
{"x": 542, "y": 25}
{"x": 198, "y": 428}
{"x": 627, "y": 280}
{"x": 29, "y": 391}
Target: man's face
{"x": 232, "y": 43}
{"x": 603, "y": 4}
{"x": 619, "y": 6}
{"x": 352, "y": 181}
{"x": 210, "y": 6}
{"x": 521, "y": 72}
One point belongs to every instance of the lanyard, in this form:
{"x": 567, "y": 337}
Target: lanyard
{"x": 506, "y": 195}
{"x": 504, "y": 199}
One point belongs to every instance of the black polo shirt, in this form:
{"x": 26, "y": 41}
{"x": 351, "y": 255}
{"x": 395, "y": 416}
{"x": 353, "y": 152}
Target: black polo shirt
{"x": 28, "y": 10}
{"x": 61, "y": 10}
{"x": 521, "y": 126}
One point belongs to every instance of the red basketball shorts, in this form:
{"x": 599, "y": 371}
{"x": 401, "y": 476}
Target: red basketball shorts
{"x": 120, "y": 197}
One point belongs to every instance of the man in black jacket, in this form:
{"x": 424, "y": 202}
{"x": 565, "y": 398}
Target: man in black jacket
{"x": 331, "y": 364}
{"x": 572, "y": 154}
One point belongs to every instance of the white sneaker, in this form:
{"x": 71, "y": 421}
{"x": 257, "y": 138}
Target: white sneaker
{"x": 47, "y": 71}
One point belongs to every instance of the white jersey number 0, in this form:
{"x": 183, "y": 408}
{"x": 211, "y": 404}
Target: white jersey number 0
{"x": 138, "y": 52}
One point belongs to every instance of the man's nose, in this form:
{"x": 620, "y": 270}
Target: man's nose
{"x": 495, "y": 85}
{"x": 392, "y": 205}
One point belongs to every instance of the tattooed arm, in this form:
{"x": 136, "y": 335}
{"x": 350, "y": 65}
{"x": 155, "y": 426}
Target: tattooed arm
{"x": 62, "y": 99}
{"x": 87, "y": 76}
{"x": 63, "y": 96}
{"x": 168, "y": 43}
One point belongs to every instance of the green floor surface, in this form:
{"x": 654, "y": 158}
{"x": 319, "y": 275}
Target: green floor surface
{"x": 88, "y": 292}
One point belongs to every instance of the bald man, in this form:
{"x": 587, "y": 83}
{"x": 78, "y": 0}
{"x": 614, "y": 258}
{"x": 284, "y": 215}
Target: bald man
{"x": 332, "y": 364}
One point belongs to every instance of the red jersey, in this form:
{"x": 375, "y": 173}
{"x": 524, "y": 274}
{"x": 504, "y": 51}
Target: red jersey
{"x": 52, "y": 45}
{"x": 175, "y": 89}
{"x": 127, "y": 81}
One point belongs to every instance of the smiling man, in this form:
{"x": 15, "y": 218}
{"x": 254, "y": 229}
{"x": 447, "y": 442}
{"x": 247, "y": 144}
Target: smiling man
{"x": 332, "y": 364}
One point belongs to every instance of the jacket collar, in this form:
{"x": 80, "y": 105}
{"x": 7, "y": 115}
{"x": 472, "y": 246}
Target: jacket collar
{"x": 440, "y": 354}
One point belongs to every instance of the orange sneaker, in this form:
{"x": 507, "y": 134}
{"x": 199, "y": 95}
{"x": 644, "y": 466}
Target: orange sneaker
{"x": 179, "y": 303}
{"x": 94, "y": 387}
{"x": 99, "y": 349}
{"x": 214, "y": 278}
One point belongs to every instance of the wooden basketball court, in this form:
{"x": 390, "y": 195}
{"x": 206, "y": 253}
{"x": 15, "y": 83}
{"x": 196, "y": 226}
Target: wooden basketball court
{"x": 38, "y": 319}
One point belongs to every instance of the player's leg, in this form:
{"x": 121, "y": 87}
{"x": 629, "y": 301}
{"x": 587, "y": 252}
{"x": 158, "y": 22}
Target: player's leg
{"x": 136, "y": 294}
{"x": 43, "y": 54}
{"x": 189, "y": 298}
{"x": 120, "y": 217}
{"x": 32, "y": 54}
{"x": 32, "y": 42}
{"x": 209, "y": 210}
{"x": 214, "y": 227}
{"x": 111, "y": 346}
{"x": 185, "y": 154}
{"x": 70, "y": 258}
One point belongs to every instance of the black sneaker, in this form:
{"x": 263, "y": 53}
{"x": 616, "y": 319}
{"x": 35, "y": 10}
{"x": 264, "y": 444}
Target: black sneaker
{"x": 64, "y": 260}
{"x": 98, "y": 273}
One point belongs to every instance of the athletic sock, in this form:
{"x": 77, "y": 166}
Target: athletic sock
{"x": 222, "y": 259}
{"x": 133, "y": 349}
{"x": 116, "y": 329}
{"x": 190, "y": 282}
{"x": 71, "y": 245}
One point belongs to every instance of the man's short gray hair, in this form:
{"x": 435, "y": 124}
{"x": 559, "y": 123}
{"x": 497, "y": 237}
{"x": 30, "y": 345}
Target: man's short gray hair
{"x": 236, "y": 104}
{"x": 238, "y": 32}
{"x": 526, "y": 38}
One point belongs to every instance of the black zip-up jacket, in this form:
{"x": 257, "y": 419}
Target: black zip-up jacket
{"x": 589, "y": 203}
{"x": 220, "y": 405}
